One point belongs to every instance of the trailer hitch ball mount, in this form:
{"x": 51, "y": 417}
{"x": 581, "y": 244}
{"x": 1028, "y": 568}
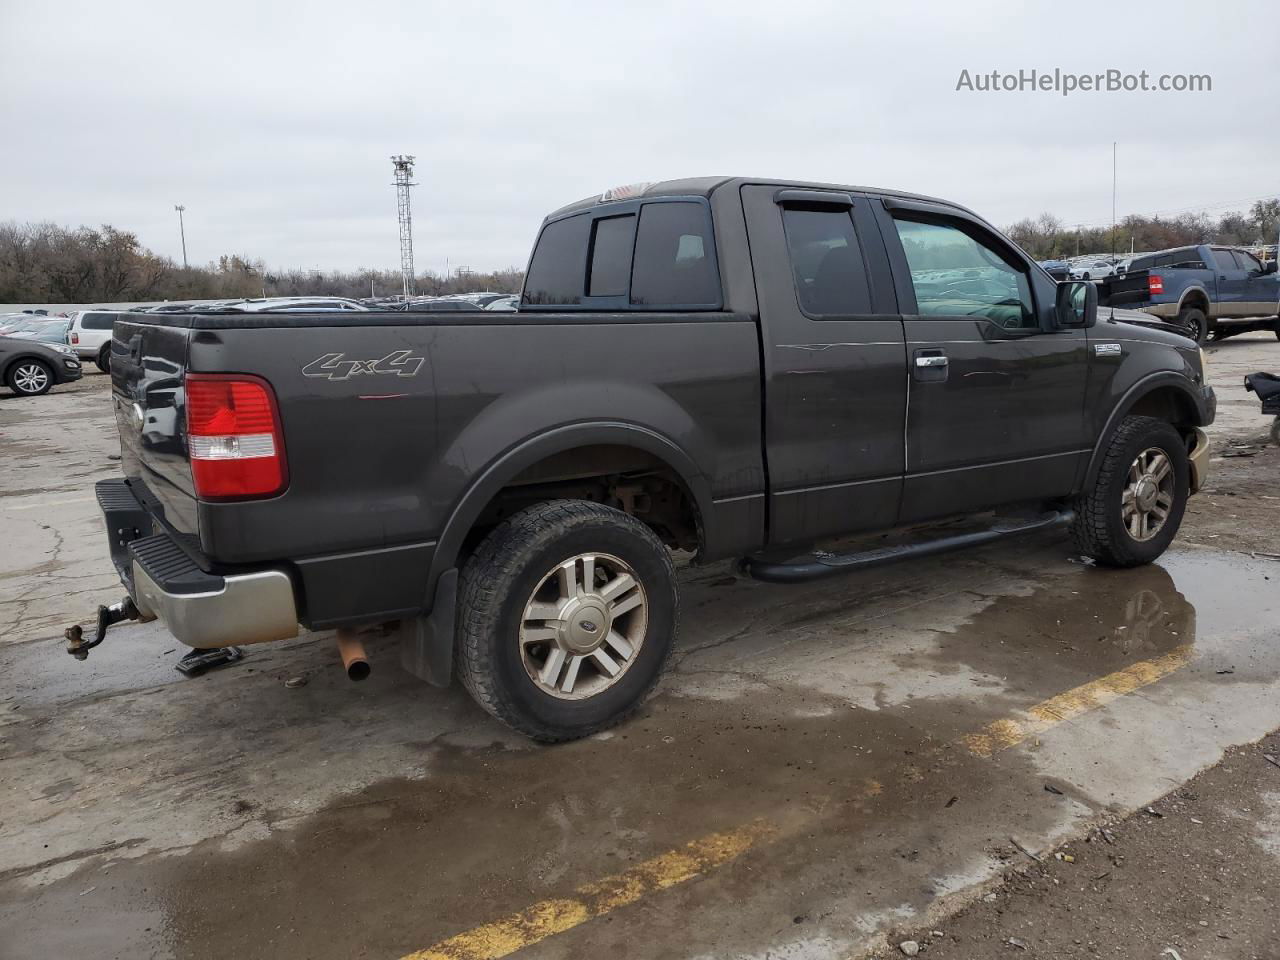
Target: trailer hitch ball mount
{"x": 79, "y": 647}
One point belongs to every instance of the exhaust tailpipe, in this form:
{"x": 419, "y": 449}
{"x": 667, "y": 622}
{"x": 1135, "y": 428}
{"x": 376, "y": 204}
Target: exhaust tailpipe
{"x": 354, "y": 659}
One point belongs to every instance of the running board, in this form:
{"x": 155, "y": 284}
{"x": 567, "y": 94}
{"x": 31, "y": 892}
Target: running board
{"x": 830, "y": 564}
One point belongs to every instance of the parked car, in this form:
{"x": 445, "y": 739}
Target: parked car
{"x": 1060, "y": 270}
{"x": 30, "y": 368}
{"x": 1092, "y": 270}
{"x": 284, "y": 305}
{"x": 507, "y": 304}
{"x": 728, "y": 367}
{"x": 53, "y": 331}
{"x": 22, "y": 323}
{"x": 1205, "y": 290}
{"x": 90, "y": 336}
{"x": 433, "y": 304}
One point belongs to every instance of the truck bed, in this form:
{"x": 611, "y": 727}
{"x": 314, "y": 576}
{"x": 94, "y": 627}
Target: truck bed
{"x": 389, "y": 417}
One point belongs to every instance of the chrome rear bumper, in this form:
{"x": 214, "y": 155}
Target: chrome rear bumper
{"x": 249, "y": 608}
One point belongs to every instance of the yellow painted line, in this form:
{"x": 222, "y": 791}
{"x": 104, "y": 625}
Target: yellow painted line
{"x": 1003, "y": 734}
{"x": 504, "y": 937}
{"x": 48, "y": 503}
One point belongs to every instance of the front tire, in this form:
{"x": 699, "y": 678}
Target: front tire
{"x": 30, "y": 378}
{"x": 1136, "y": 505}
{"x": 103, "y": 360}
{"x": 567, "y": 617}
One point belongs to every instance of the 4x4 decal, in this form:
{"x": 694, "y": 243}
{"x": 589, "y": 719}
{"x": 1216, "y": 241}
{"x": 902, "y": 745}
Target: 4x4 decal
{"x": 335, "y": 366}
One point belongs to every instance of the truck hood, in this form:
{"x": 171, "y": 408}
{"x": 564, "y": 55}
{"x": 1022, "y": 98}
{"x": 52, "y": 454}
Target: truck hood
{"x": 1159, "y": 330}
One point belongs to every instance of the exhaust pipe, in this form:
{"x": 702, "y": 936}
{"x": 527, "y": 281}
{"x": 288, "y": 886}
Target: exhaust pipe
{"x": 354, "y": 660}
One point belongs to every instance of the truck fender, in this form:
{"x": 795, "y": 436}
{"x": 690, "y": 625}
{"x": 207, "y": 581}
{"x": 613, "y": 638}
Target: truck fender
{"x": 500, "y": 472}
{"x": 1144, "y": 387}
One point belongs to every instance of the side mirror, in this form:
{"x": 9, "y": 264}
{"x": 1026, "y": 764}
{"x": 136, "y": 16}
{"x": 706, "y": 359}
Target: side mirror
{"x": 1269, "y": 267}
{"x": 1077, "y": 304}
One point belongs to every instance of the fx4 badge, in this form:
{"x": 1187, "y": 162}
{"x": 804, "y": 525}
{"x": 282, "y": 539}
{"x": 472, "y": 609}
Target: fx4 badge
{"x": 335, "y": 366}
{"x": 1108, "y": 349}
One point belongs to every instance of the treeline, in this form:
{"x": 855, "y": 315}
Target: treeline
{"x": 46, "y": 263}
{"x": 1047, "y": 237}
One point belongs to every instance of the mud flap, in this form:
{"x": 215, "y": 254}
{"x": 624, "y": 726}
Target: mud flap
{"x": 426, "y": 643}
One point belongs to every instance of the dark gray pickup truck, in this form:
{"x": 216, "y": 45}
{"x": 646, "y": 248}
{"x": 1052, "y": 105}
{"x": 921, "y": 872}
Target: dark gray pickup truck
{"x": 725, "y": 367}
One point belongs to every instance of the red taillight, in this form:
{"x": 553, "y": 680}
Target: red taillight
{"x": 233, "y": 437}
{"x": 1155, "y": 283}
{"x": 75, "y": 337}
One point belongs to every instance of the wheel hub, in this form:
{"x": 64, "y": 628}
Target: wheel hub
{"x": 584, "y": 623}
{"x": 1145, "y": 492}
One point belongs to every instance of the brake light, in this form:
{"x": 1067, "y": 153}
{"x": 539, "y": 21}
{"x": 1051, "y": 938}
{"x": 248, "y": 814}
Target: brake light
{"x": 1155, "y": 283}
{"x": 234, "y": 438}
{"x": 75, "y": 337}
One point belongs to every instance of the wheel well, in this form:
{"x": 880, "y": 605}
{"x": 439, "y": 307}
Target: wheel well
{"x": 1166, "y": 403}
{"x": 1197, "y": 299}
{"x": 634, "y": 481}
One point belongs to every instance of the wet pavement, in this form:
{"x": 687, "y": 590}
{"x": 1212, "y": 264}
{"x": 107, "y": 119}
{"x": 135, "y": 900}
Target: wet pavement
{"x": 823, "y": 762}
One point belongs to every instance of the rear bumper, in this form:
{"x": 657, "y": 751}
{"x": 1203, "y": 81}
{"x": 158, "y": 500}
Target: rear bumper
{"x": 200, "y": 609}
{"x": 249, "y": 608}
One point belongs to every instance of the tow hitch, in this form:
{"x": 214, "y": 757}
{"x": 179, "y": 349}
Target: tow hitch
{"x": 79, "y": 647}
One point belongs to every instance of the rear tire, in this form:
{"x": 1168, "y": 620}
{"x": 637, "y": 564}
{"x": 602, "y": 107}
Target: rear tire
{"x": 103, "y": 360}
{"x": 1104, "y": 528}
{"x": 539, "y": 591}
{"x": 1194, "y": 323}
{"x": 30, "y": 378}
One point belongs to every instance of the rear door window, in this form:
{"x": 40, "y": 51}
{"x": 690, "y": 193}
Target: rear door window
{"x": 557, "y": 270}
{"x": 675, "y": 257}
{"x": 826, "y": 262}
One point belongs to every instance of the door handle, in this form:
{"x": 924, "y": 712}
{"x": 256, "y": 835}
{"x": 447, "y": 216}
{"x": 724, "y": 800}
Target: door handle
{"x": 931, "y": 361}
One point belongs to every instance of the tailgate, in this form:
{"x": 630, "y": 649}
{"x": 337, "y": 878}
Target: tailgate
{"x": 148, "y": 363}
{"x": 1126, "y": 291}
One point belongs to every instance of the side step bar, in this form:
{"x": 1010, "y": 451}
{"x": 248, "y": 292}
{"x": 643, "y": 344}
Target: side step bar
{"x": 821, "y": 564}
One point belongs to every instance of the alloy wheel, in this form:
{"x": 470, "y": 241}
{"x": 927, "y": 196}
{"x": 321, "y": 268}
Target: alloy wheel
{"x": 583, "y": 626}
{"x": 1148, "y": 494}
{"x": 31, "y": 378}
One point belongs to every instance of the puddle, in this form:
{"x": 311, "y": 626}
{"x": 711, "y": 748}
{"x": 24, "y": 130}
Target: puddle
{"x": 836, "y": 729}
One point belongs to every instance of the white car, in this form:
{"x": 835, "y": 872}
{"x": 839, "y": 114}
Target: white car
{"x": 89, "y": 335}
{"x": 1092, "y": 270}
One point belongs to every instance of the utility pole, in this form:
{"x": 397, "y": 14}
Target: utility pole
{"x": 183, "y": 231}
{"x": 403, "y": 167}
{"x": 1113, "y": 199}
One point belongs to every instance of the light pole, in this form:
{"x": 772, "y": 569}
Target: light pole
{"x": 182, "y": 229}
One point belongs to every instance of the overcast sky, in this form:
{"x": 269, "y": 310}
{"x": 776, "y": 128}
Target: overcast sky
{"x": 273, "y": 123}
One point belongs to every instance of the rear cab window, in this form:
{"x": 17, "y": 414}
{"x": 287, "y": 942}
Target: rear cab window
{"x": 651, "y": 254}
